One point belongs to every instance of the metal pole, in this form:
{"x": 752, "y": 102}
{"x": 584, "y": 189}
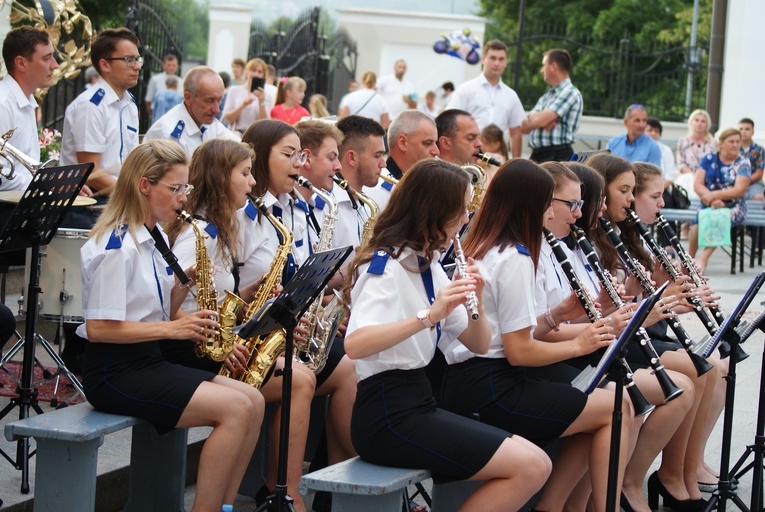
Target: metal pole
{"x": 716, "y": 55}
{"x": 521, "y": 15}
{"x": 693, "y": 58}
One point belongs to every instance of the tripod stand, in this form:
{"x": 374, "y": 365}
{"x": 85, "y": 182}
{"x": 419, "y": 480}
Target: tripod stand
{"x": 285, "y": 312}
{"x": 33, "y": 223}
{"x": 726, "y": 486}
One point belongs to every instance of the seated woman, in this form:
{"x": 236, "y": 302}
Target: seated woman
{"x": 130, "y": 303}
{"x": 402, "y": 307}
{"x": 721, "y": 181}
{"x": 505, "y": 238}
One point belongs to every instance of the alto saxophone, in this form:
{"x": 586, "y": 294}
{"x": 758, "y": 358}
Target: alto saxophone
{"x": 369, "y": 225}
{"x": 385, "y": 176}
{"x": 323, "y": 321}
{"x": 478, "y": 178}
{"x": 264, "y": 350}
{"x": 216, "y": 347}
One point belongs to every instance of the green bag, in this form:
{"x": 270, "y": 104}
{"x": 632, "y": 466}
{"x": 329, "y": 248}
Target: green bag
{"x": 714, "y": 227}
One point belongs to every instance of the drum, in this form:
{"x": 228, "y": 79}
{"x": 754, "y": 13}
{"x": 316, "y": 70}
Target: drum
{"x": 61, "y": 276}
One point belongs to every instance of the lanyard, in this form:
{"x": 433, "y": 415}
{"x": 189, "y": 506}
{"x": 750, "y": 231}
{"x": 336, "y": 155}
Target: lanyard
{"x": 159, "y": 287}
{"x": 427, "y": 281}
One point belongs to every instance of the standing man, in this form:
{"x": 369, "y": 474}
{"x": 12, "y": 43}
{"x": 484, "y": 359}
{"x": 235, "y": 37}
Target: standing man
{"x": 30, "y": 63}
{"x": 489, "y": 100}
{"x": 396, "y": 90}
{"x": 101, "y": 124}
{"x": 635, "y": 145}
{"x": 459, "y": 139}
{"x": 412, "y": 137}
{"x": 554, "y": 120}
{"x": 756, "y": 158}
{"x": 194, "y": 120}
{"x": 158, "y": 81}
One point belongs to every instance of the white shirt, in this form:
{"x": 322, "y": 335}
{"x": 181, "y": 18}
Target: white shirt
{"x": 177, "y": 125}
{"x": 129, "y": 282}
{"x": 98, "y": 121}
{"x": 380, "y": 193}
{"x": 395, "y": 295}
{"x": 18, "y": 111}
{"x": 156, "y": 84}
{"x": 552, "y": 286}
{"x": 185, "y": 249}
{"x": 249, "y": 114}
{"x": 423, "y": 107}
{"x": 393, "y": 90}
{"x": 667, "y": 162}
{"x": 508, "y": 300}
{"x": 350, "y": 221}
{"x": 488, "y": 104}
{"x": 365, "y": 103}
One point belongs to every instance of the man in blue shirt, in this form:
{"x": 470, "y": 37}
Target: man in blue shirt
{"x": 635, "y": 145}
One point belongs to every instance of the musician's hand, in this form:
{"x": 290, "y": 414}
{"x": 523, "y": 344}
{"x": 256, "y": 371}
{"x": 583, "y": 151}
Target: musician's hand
{"x": 300, "y": 334}
{"x": 237, "y": 359}
{"x": 662, "y": 310}
{"x": 621, "y": 317}
{"x": 472, "y": 271}
{"x": 451, "y": 296}
{"x": 632, "y": 286}
{"x": 596, "y": 335}
{"x": 570, "y": 309}
{"x": 708, "y": 296}
{"x": 85, "y": 191}
{"x": 196, "y": 326}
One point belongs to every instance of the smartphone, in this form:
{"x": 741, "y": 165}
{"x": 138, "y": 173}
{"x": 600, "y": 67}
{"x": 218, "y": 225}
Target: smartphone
{"x": 257, "y": 83}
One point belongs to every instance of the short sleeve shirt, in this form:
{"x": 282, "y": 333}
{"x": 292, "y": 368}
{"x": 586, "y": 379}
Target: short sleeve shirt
{"x": 488, "y": 104}
{"x": 18, "y": 111}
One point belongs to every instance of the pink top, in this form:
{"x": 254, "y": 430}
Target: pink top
{"x": 289, "y": 115}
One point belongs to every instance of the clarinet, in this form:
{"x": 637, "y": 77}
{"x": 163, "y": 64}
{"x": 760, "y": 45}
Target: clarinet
{"x": 661, "y": 255}
{"x": 641, "y": 405}
{"x": 701, "y": 365}
{"x": 689, "y": 267}
{"x": 472, "y": 300}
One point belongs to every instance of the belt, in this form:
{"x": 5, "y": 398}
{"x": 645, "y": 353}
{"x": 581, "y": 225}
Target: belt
{"x": 557, "y": 146}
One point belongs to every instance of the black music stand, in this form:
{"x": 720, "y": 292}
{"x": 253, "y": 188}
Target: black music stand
{"x": 726, "y": 484}
{"x": 618, "y": 373}
{"x": 285, "y": 312}
{"x": 33, "y": 223}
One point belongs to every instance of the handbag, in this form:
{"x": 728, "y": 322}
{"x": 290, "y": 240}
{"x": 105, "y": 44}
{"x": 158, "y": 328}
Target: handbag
{"x": 714, "y": 227}
{"x": 676, "y": 197}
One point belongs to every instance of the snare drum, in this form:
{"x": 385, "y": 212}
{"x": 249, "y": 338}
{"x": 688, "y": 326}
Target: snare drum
{"x": 61, "y": 276}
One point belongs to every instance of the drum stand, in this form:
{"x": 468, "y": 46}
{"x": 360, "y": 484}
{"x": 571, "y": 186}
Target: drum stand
{"x": 33, "y": 223}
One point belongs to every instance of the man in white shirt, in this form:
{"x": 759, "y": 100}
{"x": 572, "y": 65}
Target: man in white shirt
{"x": 194, "y": 121}
{"x": 489, "y": 100}
{"x": 396, "y": 90}
{"x": 30, "y": 63}
{"x": 459, "y": 138}
{"x": 101, "y": 124}
{"x": 157, "y": 82}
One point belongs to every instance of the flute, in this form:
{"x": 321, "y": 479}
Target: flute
{"x": 640, "y": 403}
{"x": 701, "y": 365}
{"x": 459, "y": 257}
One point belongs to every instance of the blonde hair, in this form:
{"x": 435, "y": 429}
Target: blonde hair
{"x": 127, "y": 206}
{"x": 700, "y": 111}
{"x": 369, "y": 80}
{"x": 727, "y": 132}
{"x": 252, "y": 64}
{"x": 293, "y": 83}
{"x": 317, "y": 105}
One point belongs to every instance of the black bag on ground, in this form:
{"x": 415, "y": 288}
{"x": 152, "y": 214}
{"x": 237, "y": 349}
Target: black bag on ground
{"x": 676, "y": 197}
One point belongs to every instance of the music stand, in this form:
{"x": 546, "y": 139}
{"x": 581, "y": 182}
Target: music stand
{"x": 284, "y": 312}
{"x": 582, "y": 156}
{"x": 33, "y": 223}
{"x": 618, "y": 374}
{"x": 726, "y": 485}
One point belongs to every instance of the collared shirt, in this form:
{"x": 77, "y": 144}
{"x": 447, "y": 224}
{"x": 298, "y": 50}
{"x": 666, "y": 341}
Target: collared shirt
{"x": 18, "y": 111}
{"x": 248, "y": 239}
{"x": 642, "y": 149}
{"x": 551, "y": 286}
{"x": 381, "y": 192}
{"x": 393, "y": 91}
{"x": 126, "y": 281}
{"x": 756, "y": 156}
{"x": 350, "y": 221}
{"x": 565, "y": 100}
{"x": 98, "y": 121}
{"x": 394, "y": 295}
{"x": 508, "y": 300}
{"x": 178, "y": 125}
{"x": 488, "y": 104}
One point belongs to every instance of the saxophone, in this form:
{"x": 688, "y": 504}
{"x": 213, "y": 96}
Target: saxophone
{"x": 478, "y": 177}
{"x": 323, "y": 321}
{"x": 218, "y": 346}
{"x": 385, "y": 176}
{"x": 264, "y": 350}
{"x": 369, "y": 225}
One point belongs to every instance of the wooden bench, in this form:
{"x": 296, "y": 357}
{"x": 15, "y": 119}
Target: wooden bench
{"x": 67, "y": 453}
{"x": 358, "y": 485}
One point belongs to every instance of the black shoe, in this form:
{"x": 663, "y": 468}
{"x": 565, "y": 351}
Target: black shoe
{"x": 625, "y": 504}
{"x": 322, "y": 501}
{"x": 656, "y": 489}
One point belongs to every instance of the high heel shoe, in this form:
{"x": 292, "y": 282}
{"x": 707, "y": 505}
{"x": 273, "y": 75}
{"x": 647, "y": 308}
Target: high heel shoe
{"x": 656, "y": 489}
{"x": 625, "y": 504}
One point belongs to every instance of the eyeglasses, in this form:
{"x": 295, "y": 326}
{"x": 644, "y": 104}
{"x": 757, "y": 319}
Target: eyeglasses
{"x": 573, "y": 205}
{"x": 179, "y": 190}
{"x": 297, "y": 157}
{"x": 130, "y": 61}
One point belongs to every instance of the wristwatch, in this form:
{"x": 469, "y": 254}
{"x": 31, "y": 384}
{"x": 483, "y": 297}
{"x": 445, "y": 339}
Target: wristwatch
{"x": 424, "y": 316}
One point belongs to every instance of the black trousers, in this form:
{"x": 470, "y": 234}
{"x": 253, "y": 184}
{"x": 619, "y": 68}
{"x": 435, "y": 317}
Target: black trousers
{"x": 562, "y": 153}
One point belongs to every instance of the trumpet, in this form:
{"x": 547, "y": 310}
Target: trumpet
{"x": 8, "y": 152}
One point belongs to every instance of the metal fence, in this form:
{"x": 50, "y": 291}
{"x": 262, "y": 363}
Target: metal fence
{"x": 300, "y": 47}
{"x": 615, "y": 75}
